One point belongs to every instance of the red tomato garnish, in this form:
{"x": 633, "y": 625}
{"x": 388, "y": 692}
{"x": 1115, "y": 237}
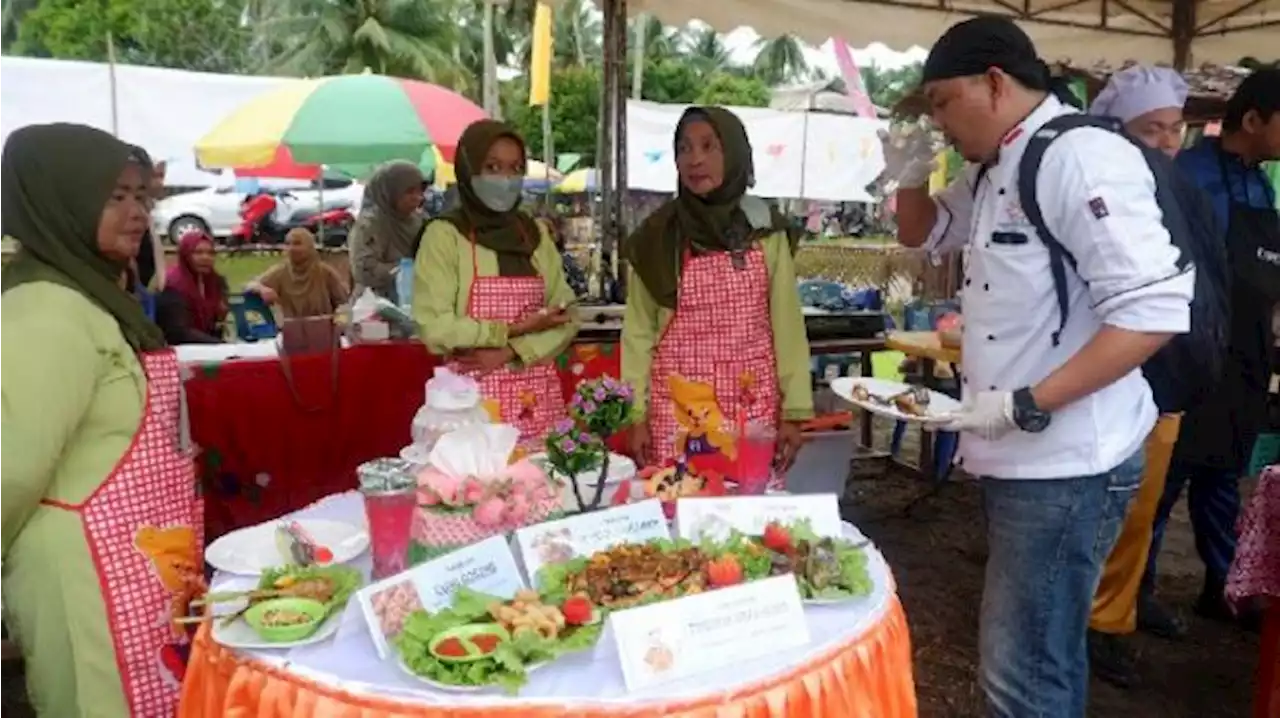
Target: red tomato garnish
{"x": 323, "y": 555}
{"x": 451, "y": 648}
{"x": 577, "y": 611}
{"x": 724, "y": 571}
{"x": 485, "y": 642}
{"x": 776, "y": 538}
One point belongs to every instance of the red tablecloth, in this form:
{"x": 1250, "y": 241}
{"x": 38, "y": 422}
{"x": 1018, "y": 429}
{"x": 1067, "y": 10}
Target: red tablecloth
{"x": 266, "y": 451}
{"x": 1255, "y": 574}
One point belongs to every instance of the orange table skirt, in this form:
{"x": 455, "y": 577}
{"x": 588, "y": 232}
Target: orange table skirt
{"x": 868, "y": 677}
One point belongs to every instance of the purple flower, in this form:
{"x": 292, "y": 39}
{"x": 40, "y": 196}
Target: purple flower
{"x": 564, "y": 426}
{"x": 589, "y": 407}
{"x": 625, "y": 393}
{"x": 584, "y": 438}
{"x": 567, "y": 445}
{"x": 600, "y": 394}
{"x": 576, "y": 400}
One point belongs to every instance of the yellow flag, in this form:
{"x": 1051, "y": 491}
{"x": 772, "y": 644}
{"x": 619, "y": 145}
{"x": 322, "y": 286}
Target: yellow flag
{"x": 540, "y": 63}
{"x": 938, "y": 180}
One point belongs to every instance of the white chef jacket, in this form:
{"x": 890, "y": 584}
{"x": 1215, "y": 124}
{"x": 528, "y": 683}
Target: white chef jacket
{"x": 1097, "y": 196}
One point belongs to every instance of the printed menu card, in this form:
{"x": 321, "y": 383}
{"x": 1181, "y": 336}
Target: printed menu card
{"x": 664, "y": 642}
{"x": 584, "y": 534}
{"x": 698, "y": 518}
{"x": 487, "y": 567}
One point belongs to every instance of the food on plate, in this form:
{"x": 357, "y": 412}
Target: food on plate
{"x": 284, "y": 617}
{"x": 825, "y": 568}
{"x": 630, "y": 574}
{"x": 297, "y": 547}
{"x": 491, "y": 653}
{"x": 329, "y": 586}
{"x": 908, "y": 403}
{"x": 578, "y": 611}
{"x": 527, "y": 612}
{"x": 285, "y": 620}
{"x": 724, "y": 571}
{"x": 393, "y": 605}
{"x": 860, "y": 393}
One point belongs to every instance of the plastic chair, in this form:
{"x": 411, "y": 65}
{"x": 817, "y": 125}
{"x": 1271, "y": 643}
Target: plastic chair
{"x": 253, "y": 317}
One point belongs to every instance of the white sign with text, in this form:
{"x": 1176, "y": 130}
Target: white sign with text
{"x": 487, "y": 567}
{"x": 582, "y": 535}
{"x": 698, "y": 518}
{"x": 672, "y": 640}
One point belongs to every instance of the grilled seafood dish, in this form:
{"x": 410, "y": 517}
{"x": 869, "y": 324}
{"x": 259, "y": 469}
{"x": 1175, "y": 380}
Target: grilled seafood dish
{"x": 630, "y": 574}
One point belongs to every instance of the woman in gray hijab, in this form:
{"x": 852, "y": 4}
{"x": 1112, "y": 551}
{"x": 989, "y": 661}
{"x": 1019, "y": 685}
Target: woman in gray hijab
{"x": 388, "y": 227}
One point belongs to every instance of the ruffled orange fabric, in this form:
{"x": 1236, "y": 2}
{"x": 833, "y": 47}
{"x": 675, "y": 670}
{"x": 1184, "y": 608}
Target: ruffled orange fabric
{"x": 868, "y": 677}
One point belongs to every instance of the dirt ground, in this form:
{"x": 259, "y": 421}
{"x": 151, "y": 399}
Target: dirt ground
{"x": 937, "y": 553}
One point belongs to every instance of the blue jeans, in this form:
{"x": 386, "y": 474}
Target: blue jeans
{"x": 1047, "y": 540}
{"x": 1213, "y": 500}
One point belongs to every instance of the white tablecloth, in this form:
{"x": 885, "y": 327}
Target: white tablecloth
{"x": 351, "y": 662}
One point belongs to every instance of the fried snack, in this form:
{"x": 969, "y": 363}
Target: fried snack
{"x": 860, "y": 393}
{"x": 527, "y": 612}
{"x": 629, "y": 574}
{"x": 906, "y": 403}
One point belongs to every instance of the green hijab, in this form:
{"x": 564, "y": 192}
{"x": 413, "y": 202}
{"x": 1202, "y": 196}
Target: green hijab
{"x": 54, "y": 182}
{"x": 724, "y": 220}
{"x": 511, "y": 234}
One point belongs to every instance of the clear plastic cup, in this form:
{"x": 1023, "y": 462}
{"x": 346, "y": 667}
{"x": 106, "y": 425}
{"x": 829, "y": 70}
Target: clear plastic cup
{"x": 390, "y": 492}
{"x": 756, "y": 448}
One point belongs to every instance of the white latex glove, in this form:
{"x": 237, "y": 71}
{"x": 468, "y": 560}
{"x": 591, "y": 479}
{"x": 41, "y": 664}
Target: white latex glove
{"x": 909, "y": 155}
{"x": 989, "y": 415}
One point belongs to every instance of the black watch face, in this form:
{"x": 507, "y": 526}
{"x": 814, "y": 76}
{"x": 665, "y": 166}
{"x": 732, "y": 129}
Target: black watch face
{"x": 1033, "y": 421}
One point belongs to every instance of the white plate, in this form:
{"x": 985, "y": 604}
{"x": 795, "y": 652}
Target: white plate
{"x": 451, "y": 688}
{"x": 252, "y": 550}
{"x": 940, "y": 405}
{"x": 415, "y": 454}
{"x": 241, "y": 635}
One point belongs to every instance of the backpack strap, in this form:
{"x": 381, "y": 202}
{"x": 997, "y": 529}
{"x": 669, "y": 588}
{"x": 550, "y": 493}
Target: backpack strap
{"x": 1028, "y": 170}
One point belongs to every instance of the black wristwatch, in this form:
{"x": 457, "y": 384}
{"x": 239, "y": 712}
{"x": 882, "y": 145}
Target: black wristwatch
{"x": 1026, "y": 414}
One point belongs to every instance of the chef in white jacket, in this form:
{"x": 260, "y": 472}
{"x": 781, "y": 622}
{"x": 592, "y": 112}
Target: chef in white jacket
{"x": 1054, "y": 418}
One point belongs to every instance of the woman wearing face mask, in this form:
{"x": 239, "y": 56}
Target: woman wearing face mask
{"x": 489, "y": 288}
{"x": 388, "y": 227}
{"x": 713, "y": 317}
{"x": 100, "y": 515}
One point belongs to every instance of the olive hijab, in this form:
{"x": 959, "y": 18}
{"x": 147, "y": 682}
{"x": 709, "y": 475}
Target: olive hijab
{"x": 725, "y": 220}
{"x": 512, "y": 235}
{"x": 54, "y": 182}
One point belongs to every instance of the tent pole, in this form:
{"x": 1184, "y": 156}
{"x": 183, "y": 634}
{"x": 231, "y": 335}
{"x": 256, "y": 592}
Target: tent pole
{"x": 111, "y": 82}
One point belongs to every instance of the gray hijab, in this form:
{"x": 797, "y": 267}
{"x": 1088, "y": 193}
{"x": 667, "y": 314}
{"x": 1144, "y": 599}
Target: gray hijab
{"x": 378, "y": 216}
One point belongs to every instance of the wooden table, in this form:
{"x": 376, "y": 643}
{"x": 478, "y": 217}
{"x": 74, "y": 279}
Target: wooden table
{"x": 927, "y": 347}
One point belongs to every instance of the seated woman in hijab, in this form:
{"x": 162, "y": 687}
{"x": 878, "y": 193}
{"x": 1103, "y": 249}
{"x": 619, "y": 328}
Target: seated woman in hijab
{"x": 192, "y": 309}
{"x": 101, "y": 539}
{"x": 388, "y": 227}
{"x": 302, "y": 285}
{"x": 489, "y": 289}
{"x": 713, "y": 336}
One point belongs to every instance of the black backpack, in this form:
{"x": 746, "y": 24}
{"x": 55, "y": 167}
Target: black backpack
{"x": 1186, "y": 369}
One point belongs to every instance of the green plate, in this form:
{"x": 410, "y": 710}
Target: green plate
{"x": 464, "y": 634}
{"x": 314, "y": 610}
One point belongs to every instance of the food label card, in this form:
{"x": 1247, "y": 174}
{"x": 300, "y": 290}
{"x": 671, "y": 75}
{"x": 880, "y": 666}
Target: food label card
{"x": 487, "y": 567}
{"x": 668, "y": 641}
{"x": 582, "y": 535}
{"x": 714, "y": 518}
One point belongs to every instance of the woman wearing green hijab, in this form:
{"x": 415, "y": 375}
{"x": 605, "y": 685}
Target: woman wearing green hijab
{"x": 713, "y": 338}
{"x": 489, "y": 288}
{"x": 101, "y": 523}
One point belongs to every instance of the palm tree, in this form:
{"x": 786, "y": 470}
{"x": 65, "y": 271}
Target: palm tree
{"x": 708, "y": 52}
{"x": 584, "y": 29}
{"x": 781, "y": 60}
{"x": 650, "y": 40}
{"x": 405, "y": 38}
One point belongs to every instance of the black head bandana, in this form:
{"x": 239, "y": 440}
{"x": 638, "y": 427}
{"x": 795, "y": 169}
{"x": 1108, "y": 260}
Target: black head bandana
{"x": 976, "y": 45}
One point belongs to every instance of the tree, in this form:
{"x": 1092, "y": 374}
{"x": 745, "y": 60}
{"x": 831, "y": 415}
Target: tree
{"x": 781, "y": 60}
{"x": 671, "y": 81}
{"x": 726, "y": 89}
{"x": 404, "y": 38}
{"x": 575, "y": 112}
{"x": 708, "y": 52}
{"x": 887, "y": 86}
{"x": 200, "y": 35}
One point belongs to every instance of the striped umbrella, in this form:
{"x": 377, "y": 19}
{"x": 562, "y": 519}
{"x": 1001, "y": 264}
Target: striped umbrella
{"x": 578, "y": 181}
{"x": 349, "y": 122}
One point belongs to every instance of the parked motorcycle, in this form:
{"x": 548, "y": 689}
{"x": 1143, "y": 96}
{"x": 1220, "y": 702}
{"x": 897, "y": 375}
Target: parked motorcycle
{"x": 259, "y": 223}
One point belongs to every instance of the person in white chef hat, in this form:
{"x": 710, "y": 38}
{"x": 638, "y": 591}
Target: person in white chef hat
{"x": 1148, "y": 100}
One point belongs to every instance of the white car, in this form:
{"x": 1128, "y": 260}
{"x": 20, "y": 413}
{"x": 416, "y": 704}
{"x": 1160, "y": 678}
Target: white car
{"x": 216, "y": 210}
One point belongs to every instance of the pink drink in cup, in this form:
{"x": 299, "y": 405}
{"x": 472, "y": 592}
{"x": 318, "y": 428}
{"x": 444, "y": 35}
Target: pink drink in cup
{"x": 390, "y": 490}
{"x": 756, "y": 447}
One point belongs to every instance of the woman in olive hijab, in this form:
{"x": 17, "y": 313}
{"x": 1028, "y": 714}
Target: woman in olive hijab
{"x": 101, "y": 520}
{"x": 713, "y": 337}
{"x": 388, "y": 227}
{"x": 489, "y": 287}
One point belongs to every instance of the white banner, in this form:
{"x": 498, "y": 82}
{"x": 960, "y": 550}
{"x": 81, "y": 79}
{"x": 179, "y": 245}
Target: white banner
{"x": 777, "y": 140}
{"x": 842, "y": 155}
{"x": 819, "y": 156}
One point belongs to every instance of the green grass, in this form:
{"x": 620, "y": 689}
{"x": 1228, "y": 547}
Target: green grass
{"x": 240, "y": 268}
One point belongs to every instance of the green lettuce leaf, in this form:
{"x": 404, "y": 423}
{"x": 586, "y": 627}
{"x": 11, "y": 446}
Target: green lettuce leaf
{"x": 346, "y": 580}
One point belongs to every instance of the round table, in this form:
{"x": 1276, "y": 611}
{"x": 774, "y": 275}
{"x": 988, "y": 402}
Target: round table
{"x": 857, "y": 664}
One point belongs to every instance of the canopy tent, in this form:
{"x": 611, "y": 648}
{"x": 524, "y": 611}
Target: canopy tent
{"x": 1177, "y": 32}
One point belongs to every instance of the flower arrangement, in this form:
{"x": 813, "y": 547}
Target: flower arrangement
{"x": 599, "y": 409}
{"x": 502, "y": 501}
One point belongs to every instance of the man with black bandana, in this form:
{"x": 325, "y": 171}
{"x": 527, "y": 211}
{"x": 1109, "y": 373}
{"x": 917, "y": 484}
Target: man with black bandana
{"x": 1054, "y": 417}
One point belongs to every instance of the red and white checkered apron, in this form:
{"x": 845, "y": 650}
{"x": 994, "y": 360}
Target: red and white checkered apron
{"x": 1255, "y": 570}
{"x": 144, "y": 528}
{"x": 530, "y": 398}
{"x": 720, "y": 334}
